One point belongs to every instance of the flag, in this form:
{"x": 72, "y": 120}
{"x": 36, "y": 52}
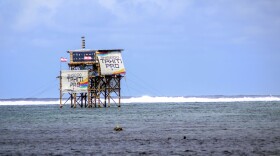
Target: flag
{"x": 87, "y": 58}
{"x": 62, "y": 59}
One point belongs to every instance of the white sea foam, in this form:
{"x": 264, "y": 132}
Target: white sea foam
{"x": 28, "y": 102}
{"x": 150, "y": 99}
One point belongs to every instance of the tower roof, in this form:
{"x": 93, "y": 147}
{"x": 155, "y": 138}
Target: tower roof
{"x": 92, "y": 50}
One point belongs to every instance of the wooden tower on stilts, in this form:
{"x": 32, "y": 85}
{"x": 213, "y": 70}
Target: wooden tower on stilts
{"x": 94, "y": 77}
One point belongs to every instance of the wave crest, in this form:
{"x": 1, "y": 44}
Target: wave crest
{"x": 151, "y": 99}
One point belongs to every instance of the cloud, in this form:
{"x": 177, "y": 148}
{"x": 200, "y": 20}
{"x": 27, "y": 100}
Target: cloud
{"x": 128, "y": 10}
{"x": 229, "y": 19}
{"x": 35, "y": 13}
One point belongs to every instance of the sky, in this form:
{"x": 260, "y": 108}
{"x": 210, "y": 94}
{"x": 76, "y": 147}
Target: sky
{"x": 171, "y": 47}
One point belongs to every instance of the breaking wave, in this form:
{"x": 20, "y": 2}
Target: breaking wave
{"x": 151, "y": 99}
{"x": 28, "y": 102}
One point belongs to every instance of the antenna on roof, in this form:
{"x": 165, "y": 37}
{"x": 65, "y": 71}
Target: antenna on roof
{"x": 83, "y": 42}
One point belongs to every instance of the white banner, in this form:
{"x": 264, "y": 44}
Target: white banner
{"x": 111, "y": 63}
{"x": 74, "y": 81}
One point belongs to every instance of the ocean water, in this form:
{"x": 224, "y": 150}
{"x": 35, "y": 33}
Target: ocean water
{"x": 149, "y": 128}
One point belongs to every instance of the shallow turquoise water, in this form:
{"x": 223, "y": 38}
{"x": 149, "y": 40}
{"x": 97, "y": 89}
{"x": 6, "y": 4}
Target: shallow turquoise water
{"x": 250, "y": 128}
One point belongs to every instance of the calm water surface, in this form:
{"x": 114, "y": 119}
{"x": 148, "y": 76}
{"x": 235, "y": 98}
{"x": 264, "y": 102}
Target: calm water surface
{"x": 239, "y": 128}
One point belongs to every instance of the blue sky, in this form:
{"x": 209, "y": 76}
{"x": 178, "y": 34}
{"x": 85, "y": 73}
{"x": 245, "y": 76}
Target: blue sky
{"x": 172, "y": 47}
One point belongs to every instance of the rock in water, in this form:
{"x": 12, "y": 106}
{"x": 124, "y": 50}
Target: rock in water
{"x": 118, "y": 128}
